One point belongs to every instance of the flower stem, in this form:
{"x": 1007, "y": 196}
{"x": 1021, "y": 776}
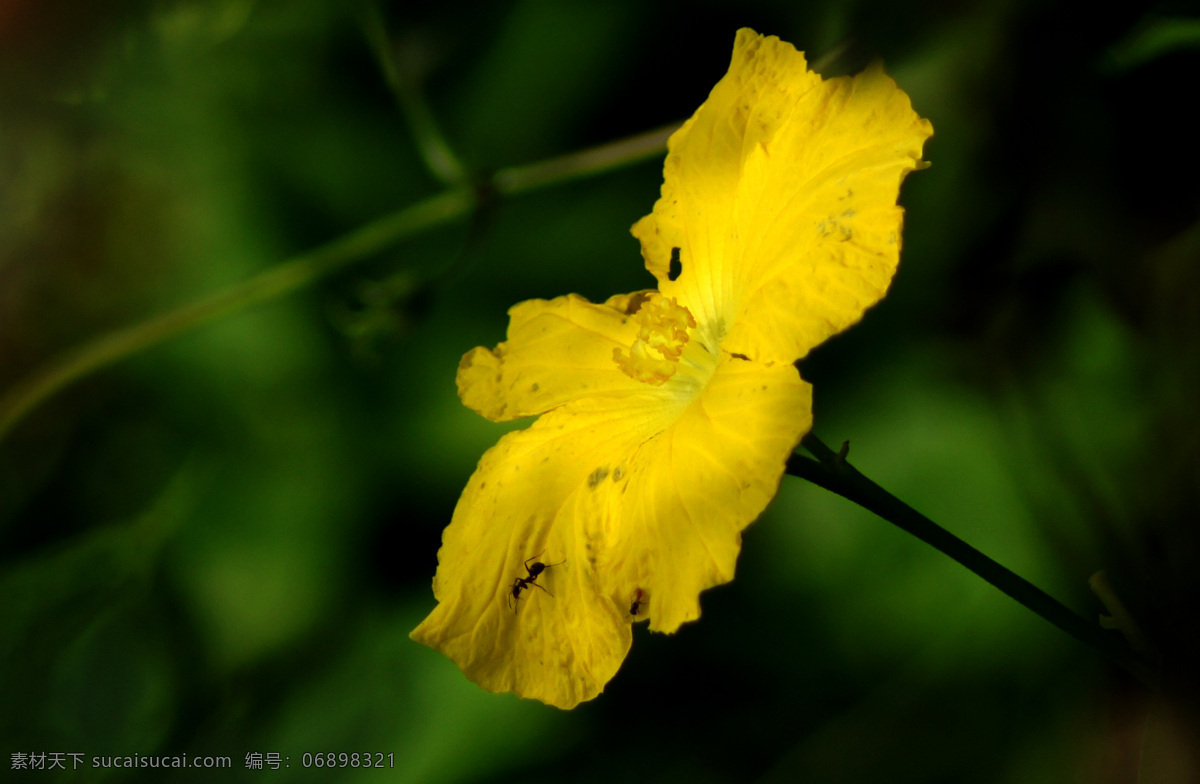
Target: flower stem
{"x": 449, "y": 205}
{"x": 831, "y": 471}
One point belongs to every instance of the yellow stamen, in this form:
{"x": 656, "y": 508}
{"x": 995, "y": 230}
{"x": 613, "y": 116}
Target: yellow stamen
{"x": 662, "y": 334}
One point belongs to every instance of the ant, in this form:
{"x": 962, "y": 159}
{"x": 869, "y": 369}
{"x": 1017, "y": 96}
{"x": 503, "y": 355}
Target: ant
{"x": 637, "y": 602}
{"x": 521, "y": 583}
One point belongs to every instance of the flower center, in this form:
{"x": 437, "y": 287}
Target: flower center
{"x": 663, "y": 324}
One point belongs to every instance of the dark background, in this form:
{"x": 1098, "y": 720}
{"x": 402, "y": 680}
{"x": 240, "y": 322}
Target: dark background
{"x": 219, "y": 546}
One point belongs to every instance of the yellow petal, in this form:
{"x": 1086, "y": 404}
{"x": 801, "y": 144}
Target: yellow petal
{"x": 780, "y": 193}
{"x": 528, "y": 498}
{"x": 557, "y": 350}
{"x": 683, "y": 497}
{"x": 635, "y": 496}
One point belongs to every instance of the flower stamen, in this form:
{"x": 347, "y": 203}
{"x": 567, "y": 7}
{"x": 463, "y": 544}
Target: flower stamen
{"x": 662, "y": 334}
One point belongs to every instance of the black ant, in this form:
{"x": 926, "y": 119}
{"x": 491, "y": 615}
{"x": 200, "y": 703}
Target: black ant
{"x": 637, "y": 602}
{"x": 521, "y": 583}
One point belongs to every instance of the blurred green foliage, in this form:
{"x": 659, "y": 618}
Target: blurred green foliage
{"x": 220, "y": 545}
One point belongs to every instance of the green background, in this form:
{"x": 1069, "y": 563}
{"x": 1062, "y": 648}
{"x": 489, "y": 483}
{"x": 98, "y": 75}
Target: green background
{"x": 220, "y": 545}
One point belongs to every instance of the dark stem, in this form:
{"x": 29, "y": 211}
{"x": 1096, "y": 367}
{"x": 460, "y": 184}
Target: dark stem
{"x": 831, "y": 471}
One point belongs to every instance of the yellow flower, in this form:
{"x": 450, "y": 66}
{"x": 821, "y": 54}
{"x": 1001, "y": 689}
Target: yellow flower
{"x": 666, "y": 416}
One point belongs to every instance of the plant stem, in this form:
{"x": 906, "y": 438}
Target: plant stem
{"x": 403, "y": 77}
{"x": 521, "y": 179}
{"x": 831, "y": 471}
{"x": 282, "y": 279}
{"x": 449, "y": 205}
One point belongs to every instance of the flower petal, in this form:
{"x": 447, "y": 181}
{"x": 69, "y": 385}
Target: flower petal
{"x": 780, "y": 193}
{"x": 557, "y": 350}
{"x": 530, "y": 498}
{"x": 688, "y": 493}
{"x": 627, "y": 497}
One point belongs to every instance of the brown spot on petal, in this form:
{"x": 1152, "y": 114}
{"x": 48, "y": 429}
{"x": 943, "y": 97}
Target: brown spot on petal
{"x": 635, "y": 302}
{"x": 597, "y": 476}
